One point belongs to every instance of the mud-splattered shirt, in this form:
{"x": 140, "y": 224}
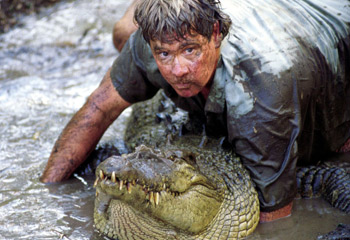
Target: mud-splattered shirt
{"x": 281, "y": 90}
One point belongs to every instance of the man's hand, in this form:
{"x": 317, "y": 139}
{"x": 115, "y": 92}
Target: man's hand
{"x": 275, "y": 215}
{"x": 83, "y": 131}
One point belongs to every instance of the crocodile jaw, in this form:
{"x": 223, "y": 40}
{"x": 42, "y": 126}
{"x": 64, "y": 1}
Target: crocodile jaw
{"x": 190, "y": 212}
{"x": 188, "y": 201}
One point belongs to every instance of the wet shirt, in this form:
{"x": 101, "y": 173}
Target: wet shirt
{"x": 281, "y": 90}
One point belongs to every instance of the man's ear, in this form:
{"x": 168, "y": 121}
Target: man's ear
{"x": 217, "y": 36}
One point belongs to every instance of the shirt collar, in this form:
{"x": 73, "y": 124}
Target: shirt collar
{"x": 216, "y": 98}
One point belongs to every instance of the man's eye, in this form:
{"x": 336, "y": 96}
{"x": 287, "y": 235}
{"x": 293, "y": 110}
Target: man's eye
{"x": 189, "y": 50}
{"x": 163, "y": 54}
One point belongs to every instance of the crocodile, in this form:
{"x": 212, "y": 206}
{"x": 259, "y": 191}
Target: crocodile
{"x": 330, "y": 182}
{"x": 178, "y": 184}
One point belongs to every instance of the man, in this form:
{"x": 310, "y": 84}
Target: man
{"x": 278, "y": 87}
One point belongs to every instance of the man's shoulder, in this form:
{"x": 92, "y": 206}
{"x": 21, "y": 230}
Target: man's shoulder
{"x": 141, "y": 53}
{"x": 139, "y": 49}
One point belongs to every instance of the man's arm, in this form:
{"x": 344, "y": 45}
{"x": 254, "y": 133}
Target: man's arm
{"x": 124, "y": 27}
{"x": 83, "y": 131}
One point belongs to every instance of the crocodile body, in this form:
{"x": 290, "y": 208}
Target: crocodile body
{"x": 330, "y": 182}
{"x": 177, "y": 187}
{"x": 186, "y": 186}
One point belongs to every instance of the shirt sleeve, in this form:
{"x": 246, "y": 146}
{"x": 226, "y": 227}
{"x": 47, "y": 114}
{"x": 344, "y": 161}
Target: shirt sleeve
{"x": 129, "y": 71}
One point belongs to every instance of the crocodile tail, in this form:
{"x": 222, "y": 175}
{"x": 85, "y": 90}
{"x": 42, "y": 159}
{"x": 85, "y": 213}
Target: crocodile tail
{"x": 332, "y": 183}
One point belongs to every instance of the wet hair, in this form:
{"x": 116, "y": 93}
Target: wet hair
{"x": 168, "y": 20}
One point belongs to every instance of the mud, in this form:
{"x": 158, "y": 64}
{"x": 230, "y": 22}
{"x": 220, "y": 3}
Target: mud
{"x": 13, "y": 10}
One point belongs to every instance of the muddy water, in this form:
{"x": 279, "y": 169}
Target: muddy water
{"x": 48, "y": 67}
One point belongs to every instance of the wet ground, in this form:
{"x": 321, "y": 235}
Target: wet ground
{"x": 49, "y": 64}
{"x": 12, "y": 10}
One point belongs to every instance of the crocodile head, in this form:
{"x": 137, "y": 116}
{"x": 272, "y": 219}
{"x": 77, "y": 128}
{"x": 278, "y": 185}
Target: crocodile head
{"x": 187, "y": 186}
{"x": 166, "y": 186}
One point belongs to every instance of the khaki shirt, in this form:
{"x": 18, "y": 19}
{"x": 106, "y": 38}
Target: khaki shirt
{"x": 281, "y": 90}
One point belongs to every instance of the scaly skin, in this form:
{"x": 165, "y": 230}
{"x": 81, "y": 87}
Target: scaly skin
{"x": 187, "y": 187}
{"x": 332, "y": 183}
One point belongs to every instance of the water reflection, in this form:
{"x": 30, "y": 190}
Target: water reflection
{"x": 47, "y": 69}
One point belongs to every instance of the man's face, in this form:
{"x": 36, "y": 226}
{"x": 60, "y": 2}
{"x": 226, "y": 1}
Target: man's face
{"x": 188, "y": 64}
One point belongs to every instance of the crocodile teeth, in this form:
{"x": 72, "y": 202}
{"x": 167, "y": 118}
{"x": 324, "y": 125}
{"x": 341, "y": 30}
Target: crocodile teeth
{"x": 121, "y": 185}
{"x": 128, "y": 187}
{"x": 113, "y": 178}
{"x": 102, "y": 176}
{"x": 96, "y": 182}
{"x": 156, "y": 198}
{"x": 151, "y": 197}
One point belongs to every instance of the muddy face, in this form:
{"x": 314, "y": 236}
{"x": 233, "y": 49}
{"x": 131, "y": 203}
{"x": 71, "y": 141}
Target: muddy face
{"x": 187, "y": 64}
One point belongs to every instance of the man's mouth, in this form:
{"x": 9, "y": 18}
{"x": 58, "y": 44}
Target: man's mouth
{"x": 182, "y": 85}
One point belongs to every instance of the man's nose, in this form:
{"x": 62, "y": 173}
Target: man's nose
{"x": 179, "y": 67}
